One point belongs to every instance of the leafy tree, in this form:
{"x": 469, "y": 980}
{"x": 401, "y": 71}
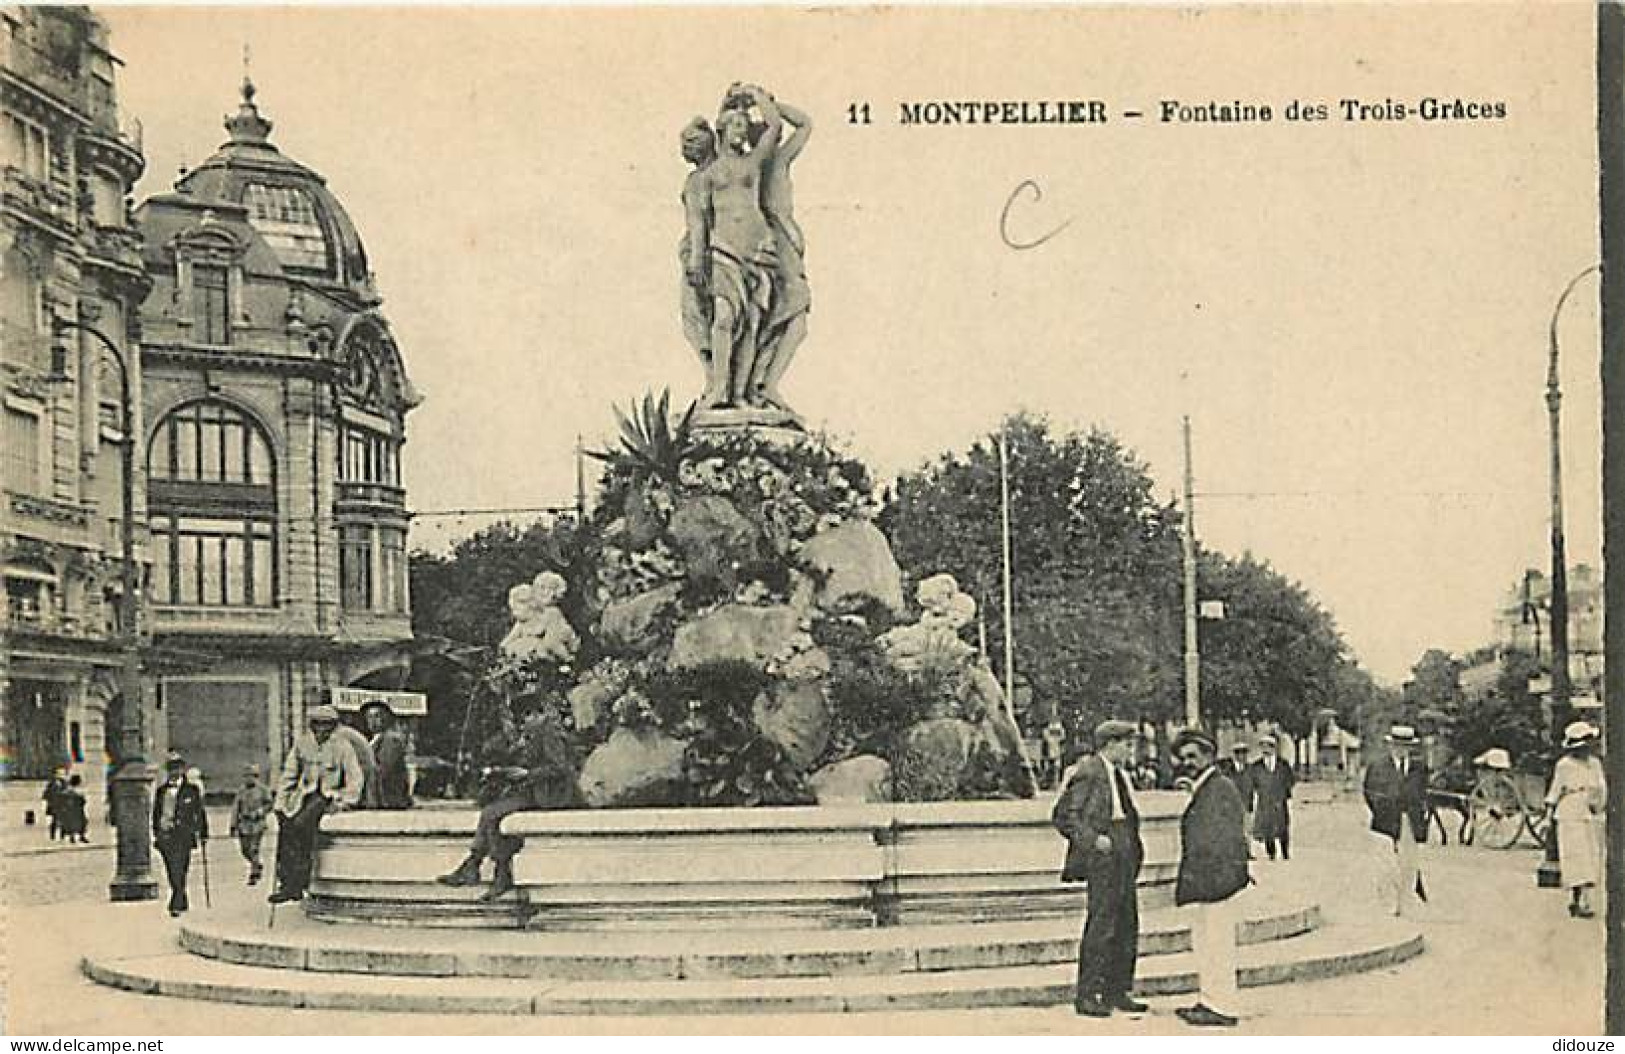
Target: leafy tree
{"x": 1095, "y": 562}
{"x": 1435, "y": 681}
{"x": 1096, "y": 569}
{"x": 1276, "y": 655}
{"x": 1509, "y": 717}
{"x": 463, "y": 597}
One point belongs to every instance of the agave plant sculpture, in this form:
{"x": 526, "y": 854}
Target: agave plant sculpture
{"x": 651, "y": 443}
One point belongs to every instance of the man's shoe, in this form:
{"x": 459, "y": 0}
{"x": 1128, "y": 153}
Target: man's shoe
{"x": 282, "y": 896}
{"x": 1205, "y": 1017}
{"x": 1091, "y": 1006}
{"x": 1128, "y": 1004}
{"x": 174, "y": 913}
{"x": 466, "y": 874}
{"x": 501, "y": 883}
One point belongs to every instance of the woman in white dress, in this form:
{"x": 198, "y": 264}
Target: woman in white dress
{"x": 1576, "y": 801}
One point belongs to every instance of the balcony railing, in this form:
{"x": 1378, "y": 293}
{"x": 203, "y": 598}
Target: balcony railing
{"x": 387, "y": 495}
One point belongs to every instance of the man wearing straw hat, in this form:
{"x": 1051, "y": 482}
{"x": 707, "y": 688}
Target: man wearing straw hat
{"x": 1396, "y": 793}
{"x": 179, "y": 824}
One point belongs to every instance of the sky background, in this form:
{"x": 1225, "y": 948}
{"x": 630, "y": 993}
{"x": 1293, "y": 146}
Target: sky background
{"x": 1353, "y": 315}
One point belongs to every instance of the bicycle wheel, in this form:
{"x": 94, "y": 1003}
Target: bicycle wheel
{"x": 1498, "y": 816}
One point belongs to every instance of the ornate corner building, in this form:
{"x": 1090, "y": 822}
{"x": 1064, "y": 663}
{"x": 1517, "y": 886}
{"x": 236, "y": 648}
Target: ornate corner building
{"x": 268, "y": 410}
{"x": 276, "y": 403}
{"x": 68, "y": 251}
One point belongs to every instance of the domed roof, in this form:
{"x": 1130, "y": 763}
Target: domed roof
{"x": 287, "y": 204}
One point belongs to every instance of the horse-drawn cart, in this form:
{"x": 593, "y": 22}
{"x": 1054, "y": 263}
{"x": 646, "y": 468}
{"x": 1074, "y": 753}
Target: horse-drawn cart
{"x": 1503, "y": 804}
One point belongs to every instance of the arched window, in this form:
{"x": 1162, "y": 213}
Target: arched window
{"x": 212, "y": 501}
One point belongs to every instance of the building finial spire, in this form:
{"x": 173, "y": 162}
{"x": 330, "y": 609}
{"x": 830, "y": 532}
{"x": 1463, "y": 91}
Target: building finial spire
{"x": 247, "y": 125}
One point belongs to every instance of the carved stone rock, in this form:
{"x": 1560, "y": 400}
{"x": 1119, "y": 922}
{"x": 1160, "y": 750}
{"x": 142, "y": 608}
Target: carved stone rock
{"x": 795, "y": 715}
{"x": 632, "y": 626}
{"x": 857, "y": 566}
{"x": 714, "y": 539}
{"x": 734, "y": 633}
{"x": 864, "y": 778}
{"x": 632, "y": 767}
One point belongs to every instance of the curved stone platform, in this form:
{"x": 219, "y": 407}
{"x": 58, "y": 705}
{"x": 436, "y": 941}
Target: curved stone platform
{"x": 303, "y": 944}
{"x": 312, "y": 964}
{"x": 813, "y": 867}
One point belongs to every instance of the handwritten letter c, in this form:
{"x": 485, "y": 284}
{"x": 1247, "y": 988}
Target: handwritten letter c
{"x": 1030, "y": 188}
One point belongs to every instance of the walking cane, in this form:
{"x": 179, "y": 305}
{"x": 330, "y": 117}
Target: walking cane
{"x": 208, "y": 898}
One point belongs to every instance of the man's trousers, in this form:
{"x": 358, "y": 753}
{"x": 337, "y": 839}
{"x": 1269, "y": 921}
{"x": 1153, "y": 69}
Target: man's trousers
{"x": 1213, "y": 946}
{"x": 296, "y": 844}
{"x": 1111, "y": 930}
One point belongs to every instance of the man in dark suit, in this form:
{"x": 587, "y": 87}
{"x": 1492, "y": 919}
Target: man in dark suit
{"x": 1272, "y": 781}
{"x": 1212, "y": 870}
{"x": 1096, "y": 813}
{"x": 179, "y": 823}
{"x": 1396, "y": 793}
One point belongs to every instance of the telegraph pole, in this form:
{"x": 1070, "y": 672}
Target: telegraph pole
{"x": 581, "y": 481}
{"x": 1611, "y": 162}
{"x": 1009, "y": 628}
{"x": 1193, "y": 662}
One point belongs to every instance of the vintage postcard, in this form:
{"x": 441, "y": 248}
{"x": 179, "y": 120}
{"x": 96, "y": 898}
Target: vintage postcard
{"x": 1055, "y": 520}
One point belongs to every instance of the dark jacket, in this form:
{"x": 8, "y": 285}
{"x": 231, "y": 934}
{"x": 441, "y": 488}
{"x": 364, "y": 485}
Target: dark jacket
{"x": 1273, "y": 789}
{"x": 1390, "y": 796}
{"x": 1083, "y": 812}
{"x": 1242, "y": 777}
{"x": 394, "y": 790}
{"x": 191, "y": 825}
{"x": 1212, "y": 844}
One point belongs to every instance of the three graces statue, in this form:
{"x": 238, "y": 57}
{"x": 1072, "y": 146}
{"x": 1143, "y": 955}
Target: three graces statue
{"x": 745, "y": 296}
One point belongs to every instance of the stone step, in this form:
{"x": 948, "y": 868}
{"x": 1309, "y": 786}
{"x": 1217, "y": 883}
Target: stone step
{"x": 1328, "y": 952}
{"x": 299, "y": 943}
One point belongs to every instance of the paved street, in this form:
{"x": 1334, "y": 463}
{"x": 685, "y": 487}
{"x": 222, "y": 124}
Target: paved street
{"x": 1503, "y": 957}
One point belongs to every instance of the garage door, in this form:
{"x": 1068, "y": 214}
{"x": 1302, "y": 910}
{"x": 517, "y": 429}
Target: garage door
{"x": 220, "y": 726}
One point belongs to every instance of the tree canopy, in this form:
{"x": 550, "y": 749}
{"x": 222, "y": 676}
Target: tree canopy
{"x": 1096, "y": 570}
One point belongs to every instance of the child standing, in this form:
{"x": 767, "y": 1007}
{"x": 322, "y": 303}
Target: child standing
{"x": 71, "y": 810}
{"x": 54, "y": 788}
{"x": 248, "y": 812}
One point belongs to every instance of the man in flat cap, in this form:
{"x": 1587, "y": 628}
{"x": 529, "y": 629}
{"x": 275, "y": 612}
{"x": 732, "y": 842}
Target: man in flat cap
{"x": 1212, "y": 870}
{"x": 321, "y": 774}
{"x": 1096, "y": 813}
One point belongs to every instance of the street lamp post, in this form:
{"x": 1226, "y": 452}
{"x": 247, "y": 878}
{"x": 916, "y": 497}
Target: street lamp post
{"x": 1558, "y": 623}
{"x": 1548, "y": 874}
{"x": 130, "y": 791}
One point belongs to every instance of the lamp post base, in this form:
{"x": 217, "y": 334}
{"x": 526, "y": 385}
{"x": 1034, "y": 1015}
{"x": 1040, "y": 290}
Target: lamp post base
{"x": 1549, "y": 875}
{"x": 132, "y": 802}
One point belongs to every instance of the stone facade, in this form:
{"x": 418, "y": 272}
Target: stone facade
{"x": 68, "y": 252}
{"x": 276, "y": 399}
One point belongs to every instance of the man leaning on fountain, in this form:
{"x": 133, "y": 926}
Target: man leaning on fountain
{"x": 1097, "y": 814}
{"x": 321, "y": 774}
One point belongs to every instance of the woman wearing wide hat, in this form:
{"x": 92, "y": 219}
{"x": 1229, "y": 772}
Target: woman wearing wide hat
{"x": 1578, "y": 797}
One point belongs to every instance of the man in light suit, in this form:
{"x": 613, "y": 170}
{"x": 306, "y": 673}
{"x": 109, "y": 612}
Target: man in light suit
{"x": 321, "y": 774}
{"x": 1396, "y": 793}
{"x": 1097, "y": 814}
{"x": 1212, "y": 870}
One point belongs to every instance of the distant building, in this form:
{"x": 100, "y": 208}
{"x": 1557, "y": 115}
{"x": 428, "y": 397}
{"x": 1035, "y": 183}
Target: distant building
{"x": 1523, "y": 623}
{"x": 276, "y": 399}
{"x": 67, "y": 251}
